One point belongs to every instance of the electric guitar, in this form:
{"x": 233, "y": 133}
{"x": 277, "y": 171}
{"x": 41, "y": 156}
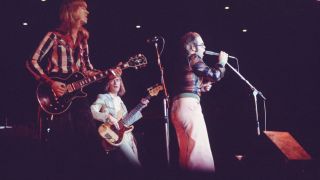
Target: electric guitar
{"x": 114, "y": 137}
{"x": 54, "y": 105}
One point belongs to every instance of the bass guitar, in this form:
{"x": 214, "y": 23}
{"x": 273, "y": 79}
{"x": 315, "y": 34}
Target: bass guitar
{"x": 54, "y": 105}
{"x": 112, "y": 136}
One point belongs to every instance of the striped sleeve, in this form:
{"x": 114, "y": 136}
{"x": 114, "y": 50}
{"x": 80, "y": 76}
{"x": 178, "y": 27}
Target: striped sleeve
{"x": 201, "y": 69}
{"x": 33, "y": 65}
{"x": 86, "y": 58}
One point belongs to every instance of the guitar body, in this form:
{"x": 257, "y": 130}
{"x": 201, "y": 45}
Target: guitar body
{"x": 113, "y": 137}
{"x": 52, "y": 104}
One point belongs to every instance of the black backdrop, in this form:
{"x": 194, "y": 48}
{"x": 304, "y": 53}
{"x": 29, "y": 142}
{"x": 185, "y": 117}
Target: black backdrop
{"x": 279, "y": 55}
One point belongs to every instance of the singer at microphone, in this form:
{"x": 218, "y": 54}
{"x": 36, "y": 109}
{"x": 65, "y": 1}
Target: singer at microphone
{"x": 217, "y": 54}
{"x": 194, "y": 77}
{"x": 222, "y": 57}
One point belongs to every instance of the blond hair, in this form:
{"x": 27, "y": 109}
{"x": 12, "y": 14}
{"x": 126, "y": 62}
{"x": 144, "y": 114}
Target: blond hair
{"x": 67, "y": 17}
{"x": 122, "y": 90}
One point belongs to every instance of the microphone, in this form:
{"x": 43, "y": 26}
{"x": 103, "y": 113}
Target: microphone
{"x": 153, "y": 39}
{"x": 217, "y": 54}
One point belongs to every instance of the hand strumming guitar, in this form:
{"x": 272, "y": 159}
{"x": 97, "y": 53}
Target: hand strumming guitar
{"x": 113, "y": 121}
{"x": 58, "y": 88}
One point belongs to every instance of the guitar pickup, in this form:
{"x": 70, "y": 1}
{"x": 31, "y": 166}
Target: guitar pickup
{"x": 107, "y": 136}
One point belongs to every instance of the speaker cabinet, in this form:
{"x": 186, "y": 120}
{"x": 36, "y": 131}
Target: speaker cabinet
{"x": 277, "y": 155}
{"x": 277, "y": 146}
{"x": 288, "y": 146}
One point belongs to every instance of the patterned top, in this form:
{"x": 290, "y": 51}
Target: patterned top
{"x": 194, "y": 73}
{"x": 61, "y": 56}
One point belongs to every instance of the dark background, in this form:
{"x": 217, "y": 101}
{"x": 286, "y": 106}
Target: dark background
{"x": 279, "y": 55}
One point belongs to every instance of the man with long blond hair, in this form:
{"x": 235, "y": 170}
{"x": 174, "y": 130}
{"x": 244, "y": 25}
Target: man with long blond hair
{"x": 73, "y": 140}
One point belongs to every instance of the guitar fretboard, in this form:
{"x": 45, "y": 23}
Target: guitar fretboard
{"x": 128, "y": 120}
{"x": 88, "y": 80}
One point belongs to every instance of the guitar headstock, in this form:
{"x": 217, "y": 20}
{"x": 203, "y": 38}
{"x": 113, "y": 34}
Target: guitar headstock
{"x": 154, "y": 90}
{"x": 136, "y": 61}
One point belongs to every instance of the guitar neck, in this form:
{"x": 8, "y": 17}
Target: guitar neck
{"x": 128, "y": 120}
{"x": 88, "y": 80}
{"x": 133, "y": 62}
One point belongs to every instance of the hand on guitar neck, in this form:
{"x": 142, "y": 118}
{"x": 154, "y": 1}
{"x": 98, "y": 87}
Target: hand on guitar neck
{"x": 145, "y": 102}
{"x": 113, "y": 121}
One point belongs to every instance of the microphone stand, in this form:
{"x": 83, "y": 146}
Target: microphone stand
{"x": 255, "y": 92}
{"x": 165, "y": 105}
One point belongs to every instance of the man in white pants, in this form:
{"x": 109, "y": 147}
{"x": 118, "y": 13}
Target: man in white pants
{"x": 193, "y": 78}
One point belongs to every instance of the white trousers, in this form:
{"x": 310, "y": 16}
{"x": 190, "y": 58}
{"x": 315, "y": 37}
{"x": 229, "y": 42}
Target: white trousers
{"x": 129, "y": 149}
{"x": 194, "y": 147}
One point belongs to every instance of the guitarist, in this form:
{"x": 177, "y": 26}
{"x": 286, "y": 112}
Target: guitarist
{"x": 109, "y": 108}
{"x": 62, "y": 52}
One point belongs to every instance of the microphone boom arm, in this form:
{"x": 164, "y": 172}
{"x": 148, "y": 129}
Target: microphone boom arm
{"x": 250, "y": 85}
{"x": 254, "y": 92}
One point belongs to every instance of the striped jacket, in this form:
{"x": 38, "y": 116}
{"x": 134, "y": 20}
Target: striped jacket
{"x": 194, "y": 73}
{"x": 58, "y": 53}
